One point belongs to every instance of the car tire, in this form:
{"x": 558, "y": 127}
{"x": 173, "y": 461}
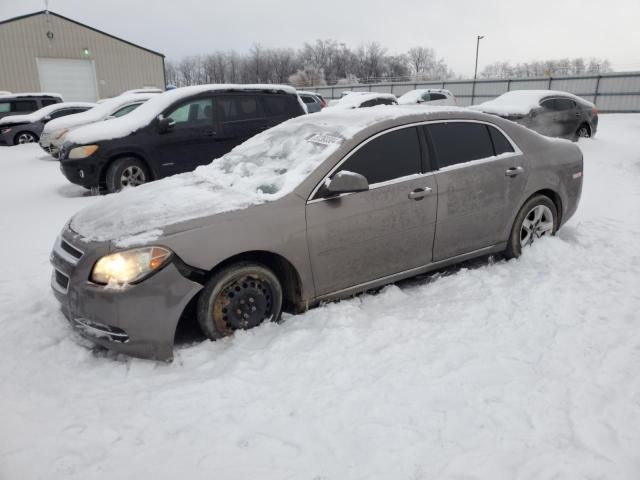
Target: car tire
{"x": 583, "y": 131}
{"x": 24, "y": 137}
{"x": 538, "y": 217}
{"x": 239, "y": 297}
{"x": 126, "y": 172}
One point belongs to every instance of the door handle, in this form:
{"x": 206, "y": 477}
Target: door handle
{"x": 208, "y": 132}
{"x": 419, "y": 193}
{"x": 513, "y": 171}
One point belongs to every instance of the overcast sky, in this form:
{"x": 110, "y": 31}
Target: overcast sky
{"x": 515, "y": 30}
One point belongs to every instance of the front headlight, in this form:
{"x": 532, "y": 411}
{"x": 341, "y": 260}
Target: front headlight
{"x": 5, "y": 130}
{"x": 129, "y": 266}
{"x": 58, "y": 134}
{"x": 82, "y": 152}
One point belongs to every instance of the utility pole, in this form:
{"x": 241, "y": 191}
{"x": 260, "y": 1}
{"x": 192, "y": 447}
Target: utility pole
{"x": 475, "y": 72}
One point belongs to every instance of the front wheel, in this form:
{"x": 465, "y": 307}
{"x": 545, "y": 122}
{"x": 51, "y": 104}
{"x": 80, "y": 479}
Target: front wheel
{"x": 537, "y": 218}
{"x": 25, "y": 137}
{"x": 126, "y": 172}
{"x": 239, "y": 297}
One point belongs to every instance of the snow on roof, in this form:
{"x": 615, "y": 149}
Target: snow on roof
{"x": 43, "y": 112}
{"x": 521, "y": 102}
{"x": 358, "y": 98}
{"x": 123, "y": 126}
{"x": 36, "y": 94}
{"x": 264, "y": 168}
{"x": 413, "y": 96}
{"x": 96, "y": 114}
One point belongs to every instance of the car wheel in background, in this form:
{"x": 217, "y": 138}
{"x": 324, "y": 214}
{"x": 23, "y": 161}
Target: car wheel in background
{"x": 583, "y": 131}
{"x": 239, "y": 297}
{"x": 25, "y": 137}
{"x": 126, "y": 172}
{"x": 537, "y": 218}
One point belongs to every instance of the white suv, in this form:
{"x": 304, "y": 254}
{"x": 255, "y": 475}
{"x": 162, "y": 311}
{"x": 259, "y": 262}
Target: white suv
{"x": 431, "y": 96}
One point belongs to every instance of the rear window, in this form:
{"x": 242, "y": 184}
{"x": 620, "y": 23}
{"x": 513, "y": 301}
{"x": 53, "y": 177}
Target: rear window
{"x": 24, "y": 106}
{"x": 239, "y": 107}
{"x": 277, "y": 105}
{"x": 48, "y": 101}
{"x": 500, "y": 142}
{"x": 438, "y": 96}
{"x": 307, "y": 99}
{"x": 459, "y": 142}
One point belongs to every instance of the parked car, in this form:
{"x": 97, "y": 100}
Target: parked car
{"x": 312, "y": 101}
{"x": 429, "y": 96}
{"x": 23, "y": 103}
{"x": 365, "y": 99}
{"x": 173, "y": 132}
{"x": 19, "y": 129}
{"x": 318, "y": 208}
{"x": 548, "y": 112}
{"x": 54, "y": 133}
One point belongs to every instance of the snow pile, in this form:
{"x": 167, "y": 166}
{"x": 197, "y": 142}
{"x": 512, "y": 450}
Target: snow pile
{"x": 526, "y": 369}
{"x": 142, "y": 116}
{"x": 43, "y": 112}
{"x": 263, "y": 169}
{"x": 356, "y": 99}
{"x": 521, "y": 102}
{"x": 96, "y": 114}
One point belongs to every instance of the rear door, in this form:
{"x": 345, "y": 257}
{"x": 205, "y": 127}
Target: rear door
{"x": 191, "y": 141}
{"x": 241, "y": 117}
{"x": 360, "y": 237}
{"x": 477, "y": 190}
{"x": 567, "y": 116}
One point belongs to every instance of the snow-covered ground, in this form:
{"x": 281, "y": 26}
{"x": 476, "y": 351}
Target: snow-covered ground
{"x": 526, "y": 369}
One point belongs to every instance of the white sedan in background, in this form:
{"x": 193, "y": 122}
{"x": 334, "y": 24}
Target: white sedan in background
{"x": 430, "y": 96}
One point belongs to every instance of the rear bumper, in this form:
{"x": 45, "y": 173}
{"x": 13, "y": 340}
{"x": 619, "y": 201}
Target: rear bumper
{"x": 138, "y": 320}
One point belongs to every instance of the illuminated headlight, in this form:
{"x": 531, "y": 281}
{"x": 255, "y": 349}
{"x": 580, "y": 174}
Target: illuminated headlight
{"x": 129, "y": 266}
{"x": 82, "y": 152}
{"x": 58, "y": 134}
{"x": 5, "y": 130}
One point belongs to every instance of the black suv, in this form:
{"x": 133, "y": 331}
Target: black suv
{"x": 23, "y": 103}
{"x": 173, "y": 132}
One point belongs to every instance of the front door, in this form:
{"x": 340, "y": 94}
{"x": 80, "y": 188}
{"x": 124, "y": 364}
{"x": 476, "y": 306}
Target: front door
{"x": 360, "y": 237}
{"x": 192, "y": 140}
{"x": 477, "y": 191}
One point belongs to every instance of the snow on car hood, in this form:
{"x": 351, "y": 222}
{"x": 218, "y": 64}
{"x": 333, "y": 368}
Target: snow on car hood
{"x": 263, "y": 169}
{"x": 521, "y": 102}
{"x": 141, "y": 116}
{"x": 97, "y": 113}
{"x": 43, "y": 112}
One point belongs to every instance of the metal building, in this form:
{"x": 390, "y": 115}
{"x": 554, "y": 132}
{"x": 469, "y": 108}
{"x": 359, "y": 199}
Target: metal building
{"x": 47, "y": 52}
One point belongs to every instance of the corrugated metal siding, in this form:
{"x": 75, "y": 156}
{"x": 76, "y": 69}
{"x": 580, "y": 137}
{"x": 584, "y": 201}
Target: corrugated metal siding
{"x": 119, "y": 66}
{"x": 615, "y": 92}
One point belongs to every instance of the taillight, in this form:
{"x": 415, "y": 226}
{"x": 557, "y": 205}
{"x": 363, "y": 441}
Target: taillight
{"x": 323, "y": 103}
{"x": 594, "y": 111}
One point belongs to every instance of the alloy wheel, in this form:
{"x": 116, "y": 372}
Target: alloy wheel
{"x": 132, "y": 176}
{"x": 26, "y": 138}
{"x": 536, "y": 224}
{"x": 583, "y": 132}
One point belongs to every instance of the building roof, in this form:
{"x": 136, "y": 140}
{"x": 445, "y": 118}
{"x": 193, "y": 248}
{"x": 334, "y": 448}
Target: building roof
{"x": 41, "y": 12}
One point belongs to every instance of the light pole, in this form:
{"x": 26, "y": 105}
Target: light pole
{"x": 475, "y": 72}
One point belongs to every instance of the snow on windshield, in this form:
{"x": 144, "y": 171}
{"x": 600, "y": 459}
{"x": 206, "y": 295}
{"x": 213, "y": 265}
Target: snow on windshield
{"x": 43, "y": 112}
{"x": 264, "y": 168}
{"x": 520, "y": 102}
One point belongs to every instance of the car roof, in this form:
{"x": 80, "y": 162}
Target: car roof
{"x": 32, "y": 95}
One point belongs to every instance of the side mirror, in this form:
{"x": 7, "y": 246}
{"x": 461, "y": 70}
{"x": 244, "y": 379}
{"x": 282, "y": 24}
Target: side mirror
{"x": 347, "y": 182}
{"x": 165, "y": 124}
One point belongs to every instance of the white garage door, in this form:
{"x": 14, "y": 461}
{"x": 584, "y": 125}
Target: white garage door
{"x": 75, "y": 80}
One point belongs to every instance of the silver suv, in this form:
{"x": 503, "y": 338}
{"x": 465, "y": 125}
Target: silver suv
{"x": 318, "y": 208}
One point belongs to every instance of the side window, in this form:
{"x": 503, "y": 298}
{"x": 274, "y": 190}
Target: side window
{"x": 239, "y": 107}
{"x": 24, "y": 106}
{"x": 62, "y": 112}
{"x": 426, "y": 97}
{"x": 276, "y": 105}
{"x": 48, "y": 101}
{"x": 197, "y": 113}
{"x": 459, "y": 142}
{"x": 500, "y": 143}
{"x": 307, "y": 99}
{"x": 438, "y": 96}
{"x": 369, "y": 103}
{"x": 392, "y": 155}
{"x": 565, "y": 104}
{"x": 124, "y": 110}
{"x": 5, "y": 107}
{"x": 549, "y": 104}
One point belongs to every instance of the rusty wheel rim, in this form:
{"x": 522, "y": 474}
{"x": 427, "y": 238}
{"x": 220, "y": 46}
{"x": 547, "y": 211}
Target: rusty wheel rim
{"x": 245, "y": 302}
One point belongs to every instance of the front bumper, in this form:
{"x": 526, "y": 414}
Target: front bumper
{"x": 84, "y": 171}
{"x": 7, "y": 138}
{"x": 138, "y": 320}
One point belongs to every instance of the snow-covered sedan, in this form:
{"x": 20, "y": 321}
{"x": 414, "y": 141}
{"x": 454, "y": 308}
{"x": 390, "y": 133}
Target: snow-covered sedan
{"x": 54, "y": 133}
{"x": 427, "y": 96}
{"x": 363, "y": 100}
{"x": 548, "y": 112}
{"x": 320, "y": 207}
{"x": 19, "y": 129}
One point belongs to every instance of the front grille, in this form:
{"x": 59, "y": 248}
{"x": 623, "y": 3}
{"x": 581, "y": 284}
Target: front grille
{"x": 74, "y": 252}
{"x": 99, "y": 330}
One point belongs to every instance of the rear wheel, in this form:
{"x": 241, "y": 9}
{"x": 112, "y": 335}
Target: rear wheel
{"x": 239, "y": 297}
{"x": 537, "y": 218}
{"x": 583, "y": 131}
{"x": 126, "y": 172}
{"x": 25, "y": 137}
